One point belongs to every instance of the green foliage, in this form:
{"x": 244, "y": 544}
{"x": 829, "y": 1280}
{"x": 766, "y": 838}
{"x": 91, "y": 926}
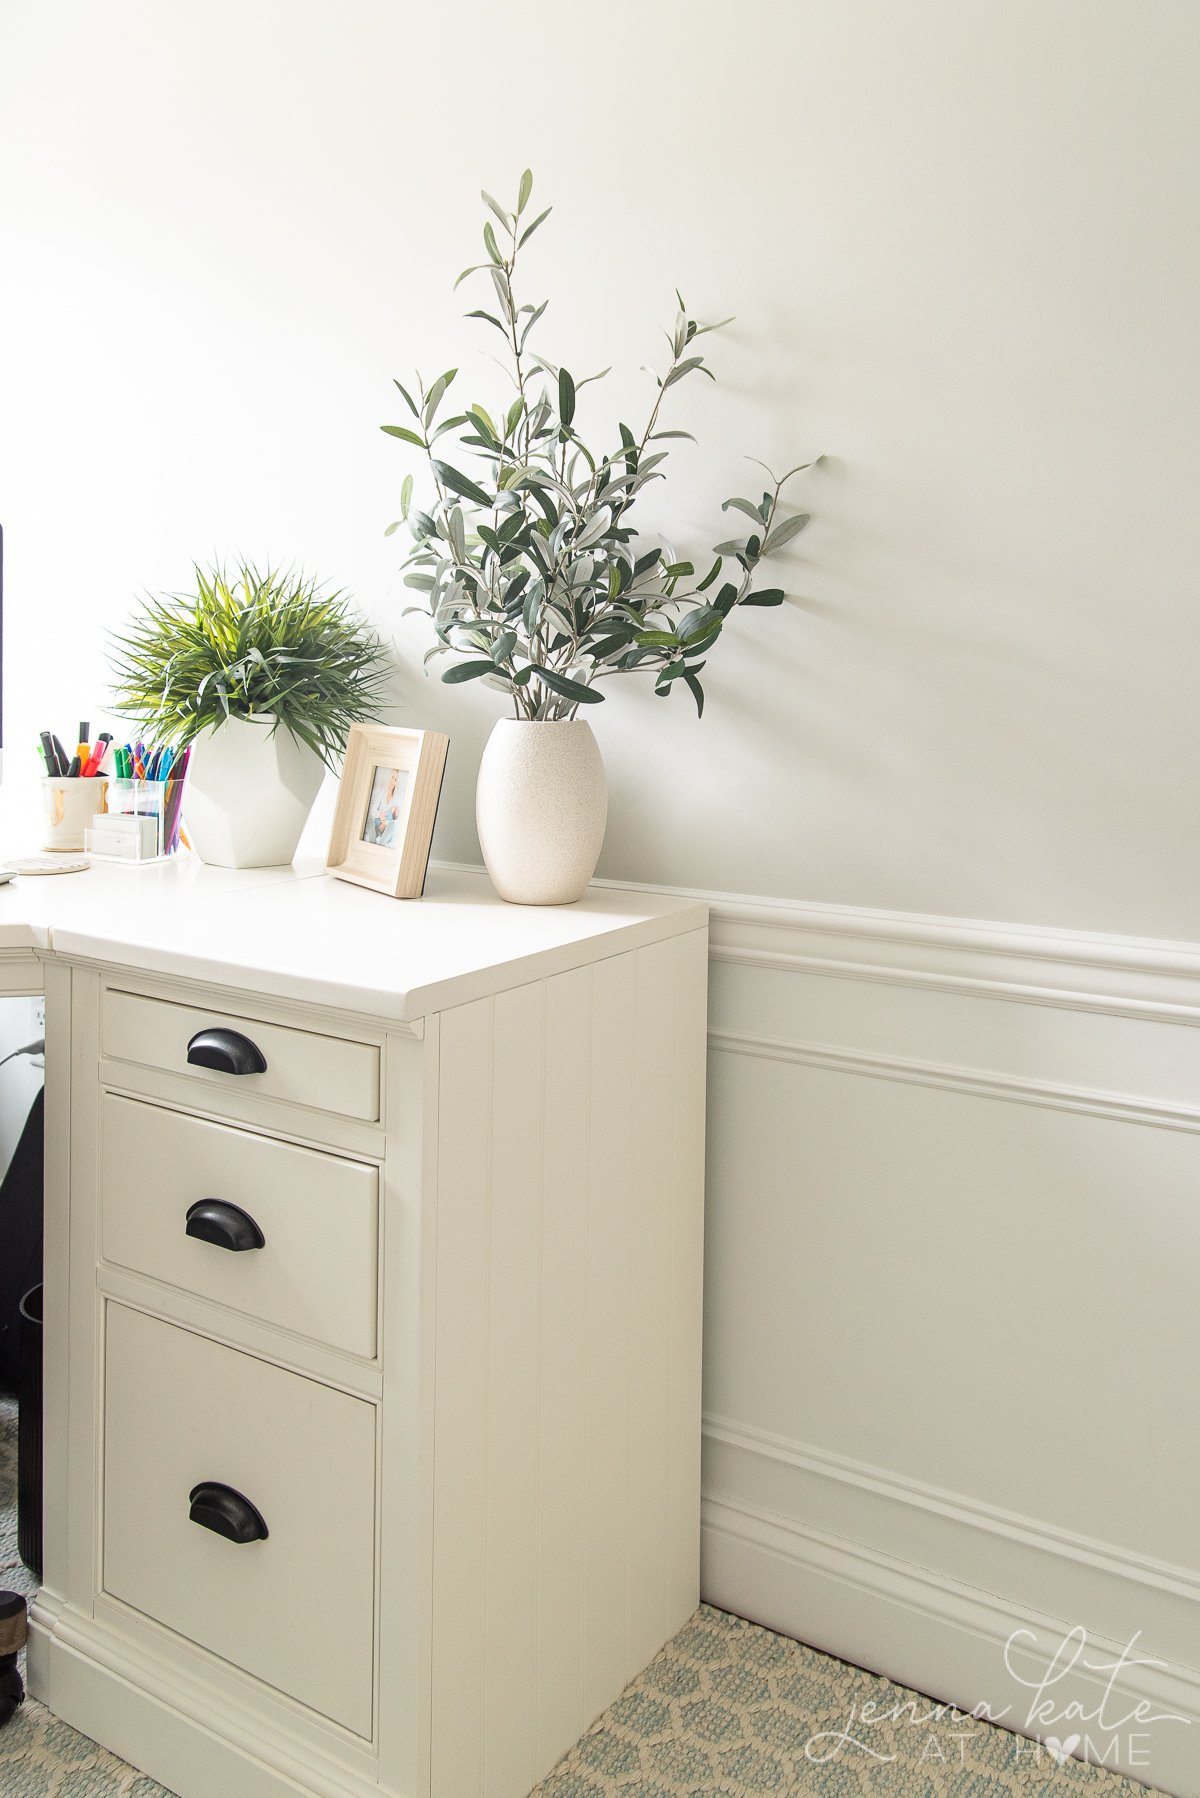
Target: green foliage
{"x": 265, "y": 641}
{"x": 530, "y": 567}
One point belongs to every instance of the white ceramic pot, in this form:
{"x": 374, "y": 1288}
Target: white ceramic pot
{"x": 249, "y": 791}
{"x": 541, "y": 806}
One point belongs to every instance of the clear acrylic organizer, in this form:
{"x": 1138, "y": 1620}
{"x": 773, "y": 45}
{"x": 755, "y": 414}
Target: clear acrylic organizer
{"x": 140, "y": 823}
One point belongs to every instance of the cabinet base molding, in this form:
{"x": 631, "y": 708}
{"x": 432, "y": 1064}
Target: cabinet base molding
{"x": 96, "y": 1681}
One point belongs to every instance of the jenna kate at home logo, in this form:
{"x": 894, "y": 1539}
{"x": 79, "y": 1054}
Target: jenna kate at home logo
{"x": 1110, "y": 1731}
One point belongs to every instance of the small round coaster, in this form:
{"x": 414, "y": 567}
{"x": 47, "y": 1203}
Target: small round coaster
{"x": 48, "y": 864}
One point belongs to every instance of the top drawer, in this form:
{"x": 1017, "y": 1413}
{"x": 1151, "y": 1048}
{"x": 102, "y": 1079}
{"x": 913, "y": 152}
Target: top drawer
{"x": 303, "y": 1067}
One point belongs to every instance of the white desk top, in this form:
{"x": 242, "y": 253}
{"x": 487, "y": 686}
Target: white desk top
{"x": 297, "y": 933}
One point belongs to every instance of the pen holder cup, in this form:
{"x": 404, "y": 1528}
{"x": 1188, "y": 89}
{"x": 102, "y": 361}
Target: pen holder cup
{"x": 68, "y": 807}
{"x": 140, "y": 822}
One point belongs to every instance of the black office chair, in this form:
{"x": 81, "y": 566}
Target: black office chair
{"x": 21, "y": 1209}
{"x": 12, "y": 1640}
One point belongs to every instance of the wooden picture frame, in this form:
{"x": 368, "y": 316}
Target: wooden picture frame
{"x": 386, "y": 806}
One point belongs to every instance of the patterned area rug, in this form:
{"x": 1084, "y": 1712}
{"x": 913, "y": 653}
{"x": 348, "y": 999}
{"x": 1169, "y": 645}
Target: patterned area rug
{"x": 733, "y": 1710}
{"x": 726, "y": 1709}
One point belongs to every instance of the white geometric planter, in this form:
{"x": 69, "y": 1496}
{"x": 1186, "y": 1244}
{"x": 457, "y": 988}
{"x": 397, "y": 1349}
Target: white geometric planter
{"x": 249, "y": 791}
{"x": 541, "y": 806}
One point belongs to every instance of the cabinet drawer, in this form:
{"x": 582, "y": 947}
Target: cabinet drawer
{"x": 315, "y": 1269}
{"x": 295, "y": 1610}
{"x": 304, "y": 1067}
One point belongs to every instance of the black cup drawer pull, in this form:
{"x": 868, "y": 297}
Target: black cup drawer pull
{"x": 225, "y": 1226}
{"x": 226, "y": 1050}
{"x": 220, "y": 1509}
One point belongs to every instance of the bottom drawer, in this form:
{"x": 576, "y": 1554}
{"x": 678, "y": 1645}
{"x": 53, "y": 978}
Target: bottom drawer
{"x": 295, "y": 1609}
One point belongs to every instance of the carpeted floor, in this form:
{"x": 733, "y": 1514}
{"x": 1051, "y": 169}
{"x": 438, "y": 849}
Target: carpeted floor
{"x": 726, "y": 1709}
{"x": 733, "y": 1710}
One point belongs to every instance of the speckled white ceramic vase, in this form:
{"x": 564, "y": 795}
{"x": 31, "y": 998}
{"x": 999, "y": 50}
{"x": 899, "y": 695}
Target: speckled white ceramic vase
{"x": 249, "y": 792}
{"x": 541, "y": 806}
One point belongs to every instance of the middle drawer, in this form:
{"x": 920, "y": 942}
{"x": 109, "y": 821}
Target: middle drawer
{"x": 314, "y": 1270}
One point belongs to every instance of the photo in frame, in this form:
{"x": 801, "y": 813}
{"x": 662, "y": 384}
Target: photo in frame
{"x": 386, "y": 807}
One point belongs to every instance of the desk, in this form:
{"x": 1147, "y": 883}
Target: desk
{"x": 372, "y": 1347}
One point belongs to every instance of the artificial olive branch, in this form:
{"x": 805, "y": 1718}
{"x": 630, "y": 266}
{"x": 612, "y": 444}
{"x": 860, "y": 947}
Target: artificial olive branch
{"x": 532, "y": 573}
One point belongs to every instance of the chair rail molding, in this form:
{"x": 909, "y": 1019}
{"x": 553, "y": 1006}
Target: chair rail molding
{"x": 1132, "y": 976}
{"x": 1137, "y": 977}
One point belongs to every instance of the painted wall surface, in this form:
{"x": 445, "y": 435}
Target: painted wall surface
{"x": 960, "y": 243}
{"x": 951, "y": 1300}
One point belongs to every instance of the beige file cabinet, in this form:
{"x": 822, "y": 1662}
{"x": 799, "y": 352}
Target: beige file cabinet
{"x": 372, "y": 1371}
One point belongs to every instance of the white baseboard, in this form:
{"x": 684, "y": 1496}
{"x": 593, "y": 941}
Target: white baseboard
{"x": 945, "y": 1637}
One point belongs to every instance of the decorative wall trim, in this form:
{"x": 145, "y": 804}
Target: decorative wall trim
{"x": 951, "y": 980}
{"x": 1103, "y": 1557}
{"x": 936, "y": 1633}
{"x": 941, "y": 1598}
{"x": 1125, "y": 1109}
{"x": 1135, "y": 977}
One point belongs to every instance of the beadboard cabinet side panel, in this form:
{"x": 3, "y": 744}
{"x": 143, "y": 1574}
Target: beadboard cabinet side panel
{"x": 558, "y": 1673}
{"x": 56, "y": 1348}
{"x": 510, "y": 1594}
{"x": 647, "y": 1551}
{"x": 608, "y": 1250}
{"x": 460, "y": 1368}
{"x": 86, "y": 1350}
{"x": 406, "y": 1419}
{"x": 72, "y": 1368}
{"x": 687, "y": 1274}
{"x": 568, "y": 1229}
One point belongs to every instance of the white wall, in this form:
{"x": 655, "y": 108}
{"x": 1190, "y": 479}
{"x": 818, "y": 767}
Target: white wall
{"x": 960, "y": 242}
{"x": 960, "y": 239}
